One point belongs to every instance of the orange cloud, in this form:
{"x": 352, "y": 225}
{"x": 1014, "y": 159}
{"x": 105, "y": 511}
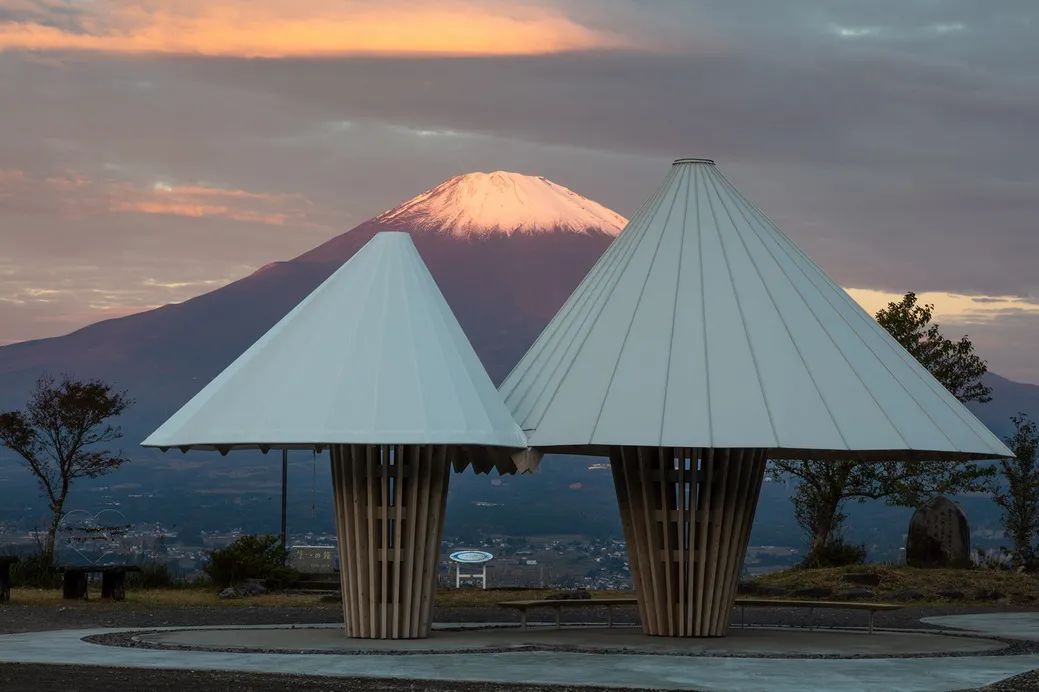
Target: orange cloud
{"x": 75, "y": 195}
{"x": 951, "y": 307}
{"x": 278, "y": 28}
{"x": 200, "y": 201}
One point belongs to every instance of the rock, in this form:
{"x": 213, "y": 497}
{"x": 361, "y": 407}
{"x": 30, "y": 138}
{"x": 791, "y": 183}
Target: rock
{"x": 864, "y": 578}
{"x": 230, "y": 592}
{"x": 939, "y": 535}
{"x": 951, "y": 595}
{"x": 861, "y": 592}
{"x": 814, "y": 592}
{"x": 907, "y": 595}
{"x": 252, "y": 587}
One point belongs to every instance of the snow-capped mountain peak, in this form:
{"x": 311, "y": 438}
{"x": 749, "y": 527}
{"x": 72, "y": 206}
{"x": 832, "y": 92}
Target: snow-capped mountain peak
{"x": 502, "y": 202}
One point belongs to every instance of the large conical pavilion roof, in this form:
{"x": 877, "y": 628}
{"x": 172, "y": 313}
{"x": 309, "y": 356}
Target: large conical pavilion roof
{"x": 373, "y": 355}
{"x": 703, "y": 325}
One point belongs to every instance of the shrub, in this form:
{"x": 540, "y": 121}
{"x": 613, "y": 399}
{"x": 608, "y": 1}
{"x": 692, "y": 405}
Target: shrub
{"x": 992, "y": 559}
{"x": 836, "y": 553}
{"x": 251, "y": 557}
{"x": 34, "y": 571}
{"x": 153, "y": 575}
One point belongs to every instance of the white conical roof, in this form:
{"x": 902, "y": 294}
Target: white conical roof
{"x": 703, "y": 325}
{"x": 373, "y": 355}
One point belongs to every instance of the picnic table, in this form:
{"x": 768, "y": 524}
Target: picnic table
{"x": 5, "y": 577}
{"x": 75, "y": 580}
{"x": 742, "y": 603}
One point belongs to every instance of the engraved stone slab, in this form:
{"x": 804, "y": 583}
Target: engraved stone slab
{"x": 939, "y": 535}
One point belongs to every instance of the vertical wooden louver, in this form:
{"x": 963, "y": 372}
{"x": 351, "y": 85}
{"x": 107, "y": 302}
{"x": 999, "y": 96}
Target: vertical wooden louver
{"x": 687, "y": 515}
{"x": 389, "y": 505}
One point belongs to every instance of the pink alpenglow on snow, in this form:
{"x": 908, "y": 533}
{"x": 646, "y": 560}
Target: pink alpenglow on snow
{"x": 502, "y": 202}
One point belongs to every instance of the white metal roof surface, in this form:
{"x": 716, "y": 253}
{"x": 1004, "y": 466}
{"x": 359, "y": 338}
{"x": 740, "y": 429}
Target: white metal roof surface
{"x": 373, "y": 355}
{"x": 703, "y": 325}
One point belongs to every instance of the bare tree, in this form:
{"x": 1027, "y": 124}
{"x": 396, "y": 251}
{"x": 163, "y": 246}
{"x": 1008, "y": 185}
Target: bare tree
{"x": 58, "y": 435}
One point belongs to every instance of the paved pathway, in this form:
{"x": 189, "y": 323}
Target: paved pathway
{"x": 635, "y": 671}
{"x": 1009, "y": 625}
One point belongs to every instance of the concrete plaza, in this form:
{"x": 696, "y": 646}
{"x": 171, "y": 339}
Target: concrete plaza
{"x": 750, "y": 659}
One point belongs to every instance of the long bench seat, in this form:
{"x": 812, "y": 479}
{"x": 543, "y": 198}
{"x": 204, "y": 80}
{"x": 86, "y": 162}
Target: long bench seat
{"x": 741, "y": 602}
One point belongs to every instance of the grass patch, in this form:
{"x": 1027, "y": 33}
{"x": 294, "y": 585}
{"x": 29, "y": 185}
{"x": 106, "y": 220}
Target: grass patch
{"x": 186, "y": 597}
{"x": 976, "y": 585}
{"x": 460, "y": 598}
{"x": 203, "y": 597}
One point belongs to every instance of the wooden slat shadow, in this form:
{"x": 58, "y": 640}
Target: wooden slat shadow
{"x": 389, "y": 504}
{"x": 686, "y": 515}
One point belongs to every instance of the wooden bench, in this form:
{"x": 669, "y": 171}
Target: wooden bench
{"x": 113, "y": 581}
{"x": 742, "y": 603}
{"x": 558, "y": 603}
{"x": 5, "y": 577}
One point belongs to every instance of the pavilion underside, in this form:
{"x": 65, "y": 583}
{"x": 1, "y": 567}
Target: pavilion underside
{"x": 687, "y": 515}
{"x": 389, "y": 507}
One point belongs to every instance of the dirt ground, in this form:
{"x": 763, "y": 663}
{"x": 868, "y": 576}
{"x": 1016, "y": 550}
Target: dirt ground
{"x": 83, "y": 679}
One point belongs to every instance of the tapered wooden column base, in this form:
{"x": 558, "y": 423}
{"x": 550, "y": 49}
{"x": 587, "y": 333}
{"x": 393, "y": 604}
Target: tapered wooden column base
{"x": 389, "y": 504}
{"x": 686, "y": 515}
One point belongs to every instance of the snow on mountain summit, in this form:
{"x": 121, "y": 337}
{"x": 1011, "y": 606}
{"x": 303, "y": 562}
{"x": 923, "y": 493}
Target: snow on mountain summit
{"x": 502, "y": 202}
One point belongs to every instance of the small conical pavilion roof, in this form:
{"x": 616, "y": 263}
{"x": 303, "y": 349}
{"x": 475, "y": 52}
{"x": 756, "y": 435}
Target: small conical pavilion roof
{"x": 373, "y": 355}
{"x": 703, "y": 325}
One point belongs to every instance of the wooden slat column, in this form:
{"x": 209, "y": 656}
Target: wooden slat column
{"x": 389, "y": 505}
{"x": 686, "y": 515}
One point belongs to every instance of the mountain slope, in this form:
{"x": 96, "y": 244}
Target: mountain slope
{"x": 1008, "y": 399}
{"x": 503, "y": 279}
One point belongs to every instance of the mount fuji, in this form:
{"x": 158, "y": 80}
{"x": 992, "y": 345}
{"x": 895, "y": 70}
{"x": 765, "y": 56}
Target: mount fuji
{"x": 506, "y": 250}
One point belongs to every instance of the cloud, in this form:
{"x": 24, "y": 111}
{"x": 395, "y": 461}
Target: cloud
{"x": 199, "y": 201}
{"x": 952, "y": 307}
{"x": 75, "y": 195}
{"x": 1003, "y": 329}
{"x": 278, "y": 28}
{"x": 90, "y": 247}
{"x": 899, "y": 160}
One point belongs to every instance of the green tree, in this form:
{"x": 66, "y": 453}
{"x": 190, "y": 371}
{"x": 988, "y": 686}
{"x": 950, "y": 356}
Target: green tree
{"x": 59, "y": 435}
{"x": 251, "y": 557}
{"x": 824, "y": 486}
{"x": 1019, "y": 498}
{"x": 953, "y": 363}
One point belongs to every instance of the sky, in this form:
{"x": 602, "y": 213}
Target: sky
{"x": 153, "y": 150}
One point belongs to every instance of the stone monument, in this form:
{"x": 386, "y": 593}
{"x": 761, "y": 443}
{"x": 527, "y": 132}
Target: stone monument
{"x": 939, "y": 535}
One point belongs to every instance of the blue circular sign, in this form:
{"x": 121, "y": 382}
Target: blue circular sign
{"x": 470, "y": 557}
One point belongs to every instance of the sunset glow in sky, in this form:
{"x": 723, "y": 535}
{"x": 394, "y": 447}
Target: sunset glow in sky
{"x": 276, "y": 28}
{"x": 151, "y": 151}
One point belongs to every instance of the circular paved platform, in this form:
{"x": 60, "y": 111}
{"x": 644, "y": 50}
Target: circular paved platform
{"x": 555, "y": 657}
{"x": 757, "y": 642}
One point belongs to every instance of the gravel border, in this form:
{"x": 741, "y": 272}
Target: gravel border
{"x": 1025, "y": 682}
{"x": 129, "y": 639}
{"x": 33, "y": 677}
